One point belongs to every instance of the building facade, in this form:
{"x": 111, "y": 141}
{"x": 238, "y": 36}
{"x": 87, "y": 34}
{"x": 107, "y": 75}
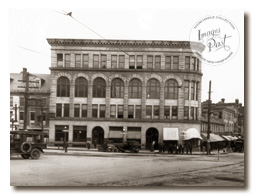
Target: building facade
{"x": 231, "y": 115}
{"x": 123, "y": 90}
{"x": 37, "y": 112}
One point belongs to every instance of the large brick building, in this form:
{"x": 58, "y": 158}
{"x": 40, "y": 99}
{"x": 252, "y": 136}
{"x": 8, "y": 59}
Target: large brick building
{"x": 124, "y": 90}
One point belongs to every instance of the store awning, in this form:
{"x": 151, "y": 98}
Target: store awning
{"x": 191, "y": 133}
{"x": 213, "y": 137}
{"x": 226, "y": 137}
{"x": 170, "y": 134}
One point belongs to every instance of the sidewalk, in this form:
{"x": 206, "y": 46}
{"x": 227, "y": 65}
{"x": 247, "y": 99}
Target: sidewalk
{"x": 94, "y": 152}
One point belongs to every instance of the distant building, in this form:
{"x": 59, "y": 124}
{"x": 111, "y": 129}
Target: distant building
{"x": 123, "y": 90}
{"x": 39, "y": 90}
{"x": 231, "y": 115}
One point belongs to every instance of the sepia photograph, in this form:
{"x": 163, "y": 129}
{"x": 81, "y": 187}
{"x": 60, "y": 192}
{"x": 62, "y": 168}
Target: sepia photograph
{"x": 127, "y": 97}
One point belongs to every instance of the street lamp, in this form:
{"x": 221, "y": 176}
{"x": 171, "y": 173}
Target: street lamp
{"x": 65, "y": 130}
{"x": 124, "y": 132}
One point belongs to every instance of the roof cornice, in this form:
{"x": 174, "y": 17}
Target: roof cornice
{"x": 149, "y": 43}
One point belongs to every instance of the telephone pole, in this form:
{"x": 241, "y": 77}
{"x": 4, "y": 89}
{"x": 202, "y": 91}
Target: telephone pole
{"x": 208, "y": 121}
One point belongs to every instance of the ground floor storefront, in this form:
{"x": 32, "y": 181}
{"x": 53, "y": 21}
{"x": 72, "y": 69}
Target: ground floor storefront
{"x": 80, "y": 133}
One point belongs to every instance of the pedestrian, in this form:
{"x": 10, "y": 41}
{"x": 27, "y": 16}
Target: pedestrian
{"x": 190, "y": 147}
{"x": 183, "y": 149}
{"x": 163, "y": 147}
{"x": 152, "y": 146}
{"x": 187, "y": 148}
{"x": 94, "y": 143}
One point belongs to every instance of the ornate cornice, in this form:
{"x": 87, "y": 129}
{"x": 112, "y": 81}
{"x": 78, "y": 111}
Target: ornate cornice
{"x": 118, "y": 43}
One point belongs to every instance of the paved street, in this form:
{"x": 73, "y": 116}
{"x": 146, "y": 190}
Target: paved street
{"x": 116, "y": 169}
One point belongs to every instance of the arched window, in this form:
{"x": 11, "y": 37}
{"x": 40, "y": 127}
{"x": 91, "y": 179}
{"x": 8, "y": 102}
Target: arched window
{"x": 81, "y": 87}
{"x": 171, "y": 90}
{"x": 117, "y": 88}
{"x": 135, "y": 89}
{"x": 153, "y": 89}
{"x": 99, "y": 88}
{"x": 63, "y": 87}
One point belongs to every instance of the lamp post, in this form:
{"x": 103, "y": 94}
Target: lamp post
{"x": 65, "y": 130}
{"x": 124, "y": 132}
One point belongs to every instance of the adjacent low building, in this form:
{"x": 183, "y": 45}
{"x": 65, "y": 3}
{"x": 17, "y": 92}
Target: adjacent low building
{"x": 123, "y": 90}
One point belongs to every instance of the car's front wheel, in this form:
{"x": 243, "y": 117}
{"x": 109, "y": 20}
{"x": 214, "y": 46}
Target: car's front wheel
{"x": 35, "y": 153}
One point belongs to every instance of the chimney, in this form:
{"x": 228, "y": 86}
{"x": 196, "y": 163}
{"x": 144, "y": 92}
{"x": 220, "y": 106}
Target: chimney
{"x": 237, "y": 101}
{"x": 223, "y": 100}
{"x": 24, "y": 73}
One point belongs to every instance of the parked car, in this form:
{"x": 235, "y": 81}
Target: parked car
{"x": 110, "y": 146}
{"x": 238, "y": 145}
{"x": 27, "y": 143}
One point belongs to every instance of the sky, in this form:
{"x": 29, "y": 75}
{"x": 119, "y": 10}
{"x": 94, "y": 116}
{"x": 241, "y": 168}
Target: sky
{"x": 29, "y": 29}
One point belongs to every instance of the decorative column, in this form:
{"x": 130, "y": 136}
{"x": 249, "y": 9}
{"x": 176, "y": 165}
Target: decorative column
{"x": 72, "y": 89}
{"x": 143, "y": 101}
{"x": 89, "y": 100}
{"x": 125, "y": 102}
{"x": 107, "y": 101}
{"x": 162, "y": 100}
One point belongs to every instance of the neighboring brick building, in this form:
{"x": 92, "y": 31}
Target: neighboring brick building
{"x": 123, "y": 90}
{"x": 231, "y": 115}
{"x": 41, "y": 92}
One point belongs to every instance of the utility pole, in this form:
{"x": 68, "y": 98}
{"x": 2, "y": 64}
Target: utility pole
{"x": 208, "y": 121}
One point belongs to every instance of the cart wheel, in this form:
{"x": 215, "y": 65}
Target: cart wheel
{"x": 25, "y": 156}
{"x": 35, "y": 153}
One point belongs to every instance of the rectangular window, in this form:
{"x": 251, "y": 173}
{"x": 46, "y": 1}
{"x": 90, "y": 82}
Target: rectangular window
{"x": 67, "y": 60}
{"x": 59, "y": 110}
{"x": 77, "y": 60}
{"x": 167, "y": 112}
{"x": 95, "y": 61}
{"x": 112, "y": 111}
{"x": 196, "y": 113}
{"x": 197, "y": 84}
{"x": 175, "y": 62}
{"x": 121, "y": 62}
{"x": 174, "y": 112}
{"x": 192, "y": 113}
{"x": 131, "y": 62}
{"x": 76, "y": 110}
{"x": 94, "y": 111}
{"x": 139, "y": 62}
{"x": 156, "y": 112}
{"x": 120, "y": 111}
{"x": 149, "y": 111}
{"x": 186, "y": 89}
{"x": 186, "y": 112}
{"x": 157, "y": 62}
{"x": 59, "y": 60}
{"x": 32, "y": 116}
{"x": 85, "y": 60}
{"x": 102, "y": 111}
{"x": 114, "y": 61}
{"x": 21, "y": 115}
{"x": 197, "y": 65}
{"x": 22, "y": 101}
{"x": 187, "y": 63}
{"x": 138, "y": 112}
{"x": 66, "y": 110}
{"x": 192, "y": 90}
{"x": 59, "y": 134}
{"x": 193, "y": 63}
{"x": 168, "y": 62}
{"x": 149, "y": 62}
{"x": 103, "y": 61}
{"x": 130, "y": 111}
{"x": 79, "y": 133}
{"x": 84, "y": 110}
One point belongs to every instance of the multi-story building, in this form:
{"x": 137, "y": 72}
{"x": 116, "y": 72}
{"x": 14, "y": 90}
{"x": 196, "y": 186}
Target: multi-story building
{"x": 230, "y": 114}
{"x": 38, "y": 101}
{"x": 124, "y": 90}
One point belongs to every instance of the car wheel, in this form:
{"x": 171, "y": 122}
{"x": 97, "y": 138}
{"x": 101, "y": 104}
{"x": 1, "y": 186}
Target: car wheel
{"x": 25, "y": 156}
{"x": 136, "y": 149}
{"x": 35, "y": 153}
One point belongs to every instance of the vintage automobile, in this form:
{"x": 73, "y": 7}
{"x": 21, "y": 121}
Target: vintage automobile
{"x": 27, "y": 143}
{"x": 110, "y": 146}
{"x": 238, "y": 145}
